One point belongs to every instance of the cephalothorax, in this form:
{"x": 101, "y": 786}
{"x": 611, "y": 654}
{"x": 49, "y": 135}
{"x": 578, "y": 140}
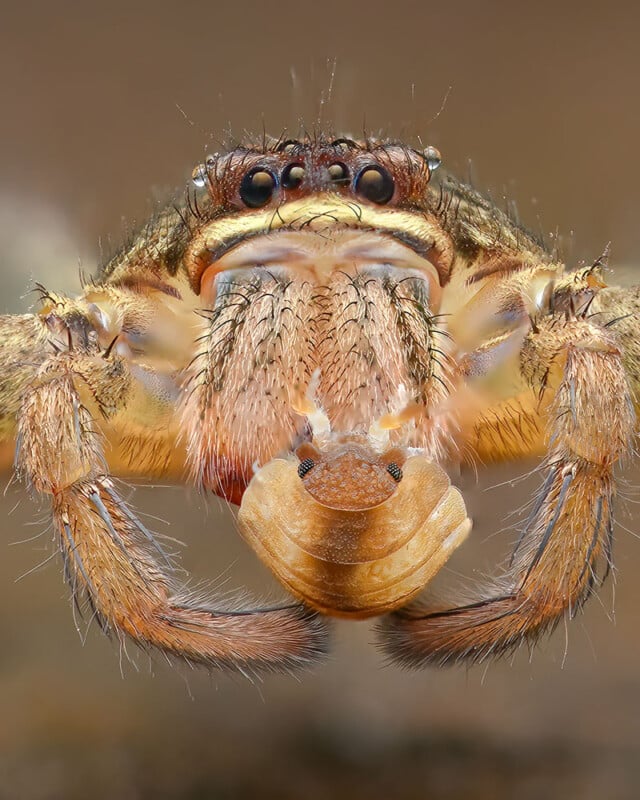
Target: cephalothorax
{"x": 318, "y": 332}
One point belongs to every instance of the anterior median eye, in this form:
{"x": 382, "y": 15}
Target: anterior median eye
{"x": 257, "y": 187}
{"x": 375, "y": 184}
{"x": 338, "y": 173}
{"x": 292, "y": 176}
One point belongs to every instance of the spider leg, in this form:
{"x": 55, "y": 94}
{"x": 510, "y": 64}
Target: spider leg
{"x": 618, "y": 310}
{"x": 109, "y": 554}
{"x": 564, "y": 550}
{"x": 22, "y": 350}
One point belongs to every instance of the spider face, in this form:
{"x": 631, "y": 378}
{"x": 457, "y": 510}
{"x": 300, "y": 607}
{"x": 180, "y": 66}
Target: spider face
{"x": 324, "y": 236}
{"x": 312, "y": 187}
{"x": 319, "y": 332}
{"x": 383, "y": 174}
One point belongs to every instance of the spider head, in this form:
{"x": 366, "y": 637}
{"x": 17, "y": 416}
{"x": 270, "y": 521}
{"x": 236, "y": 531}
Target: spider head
{"x": 376, "y": 172}
{"x": 315, "y": 186}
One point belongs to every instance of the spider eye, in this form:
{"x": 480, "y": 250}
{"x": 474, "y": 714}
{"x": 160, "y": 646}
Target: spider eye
{"x": 292, "y": 176}
{"x": 395, "y": 471}
{"x": 257, "y": 187}
{"x": 432, "y": 157}
{"x": 305, "y": 466}
{"x": 338, "y": 173}
{"x": 375, "y": 184}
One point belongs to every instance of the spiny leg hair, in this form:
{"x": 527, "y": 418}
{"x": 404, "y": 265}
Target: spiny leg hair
{"x": 564, "y": 550}
{"x": 108, "y": 553}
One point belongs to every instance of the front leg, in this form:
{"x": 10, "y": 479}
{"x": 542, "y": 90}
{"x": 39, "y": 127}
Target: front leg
{"x": 619, "y": 309}
{"x": 565, "y": 547}
{"x": 110, "y": 555}
{"x": 23, "y": 348}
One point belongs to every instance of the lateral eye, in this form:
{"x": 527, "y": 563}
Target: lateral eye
{"x": 257, "y": 187}
{"x": 375, "y": 184}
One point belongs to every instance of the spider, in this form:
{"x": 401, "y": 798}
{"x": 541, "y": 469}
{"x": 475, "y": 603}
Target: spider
{"x": 318, "y": 332}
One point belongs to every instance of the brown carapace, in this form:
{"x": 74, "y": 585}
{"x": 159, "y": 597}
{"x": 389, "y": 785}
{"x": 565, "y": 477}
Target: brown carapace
{"x": 322, "y": 332}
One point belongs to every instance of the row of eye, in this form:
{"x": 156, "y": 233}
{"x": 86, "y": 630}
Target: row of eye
{"x": 373, "y": 183}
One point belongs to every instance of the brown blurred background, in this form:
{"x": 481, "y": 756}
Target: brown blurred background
{"x": 106, "y": 106}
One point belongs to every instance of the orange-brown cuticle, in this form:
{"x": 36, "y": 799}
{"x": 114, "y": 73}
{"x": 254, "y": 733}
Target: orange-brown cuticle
{"x": 349, "y": 476}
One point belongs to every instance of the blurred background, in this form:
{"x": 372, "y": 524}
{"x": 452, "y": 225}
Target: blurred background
{"x": 106, "y": 108}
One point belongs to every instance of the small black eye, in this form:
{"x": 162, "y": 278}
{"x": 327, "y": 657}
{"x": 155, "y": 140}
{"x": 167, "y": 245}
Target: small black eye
{"x": 289, "y": 146}
{"x": 395, "y": 471}
{"x": 305, "y": 466}
{"x": 344, "y": 142}
{"x": 292, "y": 176}
{"x": 376, "y": 184}
{"x": 257, "y": 187}
{"x": 338, "y": 173}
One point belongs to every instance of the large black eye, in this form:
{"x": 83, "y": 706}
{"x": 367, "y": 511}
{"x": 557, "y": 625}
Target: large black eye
{"x": 292, "y": 176}
{"x": 376, "y": 184}
{"x": 257, "y": 187}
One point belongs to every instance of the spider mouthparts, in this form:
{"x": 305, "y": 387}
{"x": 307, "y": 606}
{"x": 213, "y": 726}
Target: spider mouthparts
{"x": 369, "y": 531}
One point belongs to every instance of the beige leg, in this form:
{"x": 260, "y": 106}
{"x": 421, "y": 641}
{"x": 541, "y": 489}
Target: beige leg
{"x": 564, "y": 549}
{"x": 110, "y": 556}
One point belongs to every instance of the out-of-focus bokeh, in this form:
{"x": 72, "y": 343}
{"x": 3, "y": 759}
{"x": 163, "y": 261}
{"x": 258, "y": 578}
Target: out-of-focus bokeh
{"x": 105, "y": 108}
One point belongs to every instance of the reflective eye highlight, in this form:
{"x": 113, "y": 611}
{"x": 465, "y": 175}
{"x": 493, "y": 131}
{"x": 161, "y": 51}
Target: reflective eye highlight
{"x": 257, "y": 187}
{"x": 338, "y": 173}
{"x": 292, "y": 176}
{"x": 376, "y": 184}
{"x": 432, "y": 157}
